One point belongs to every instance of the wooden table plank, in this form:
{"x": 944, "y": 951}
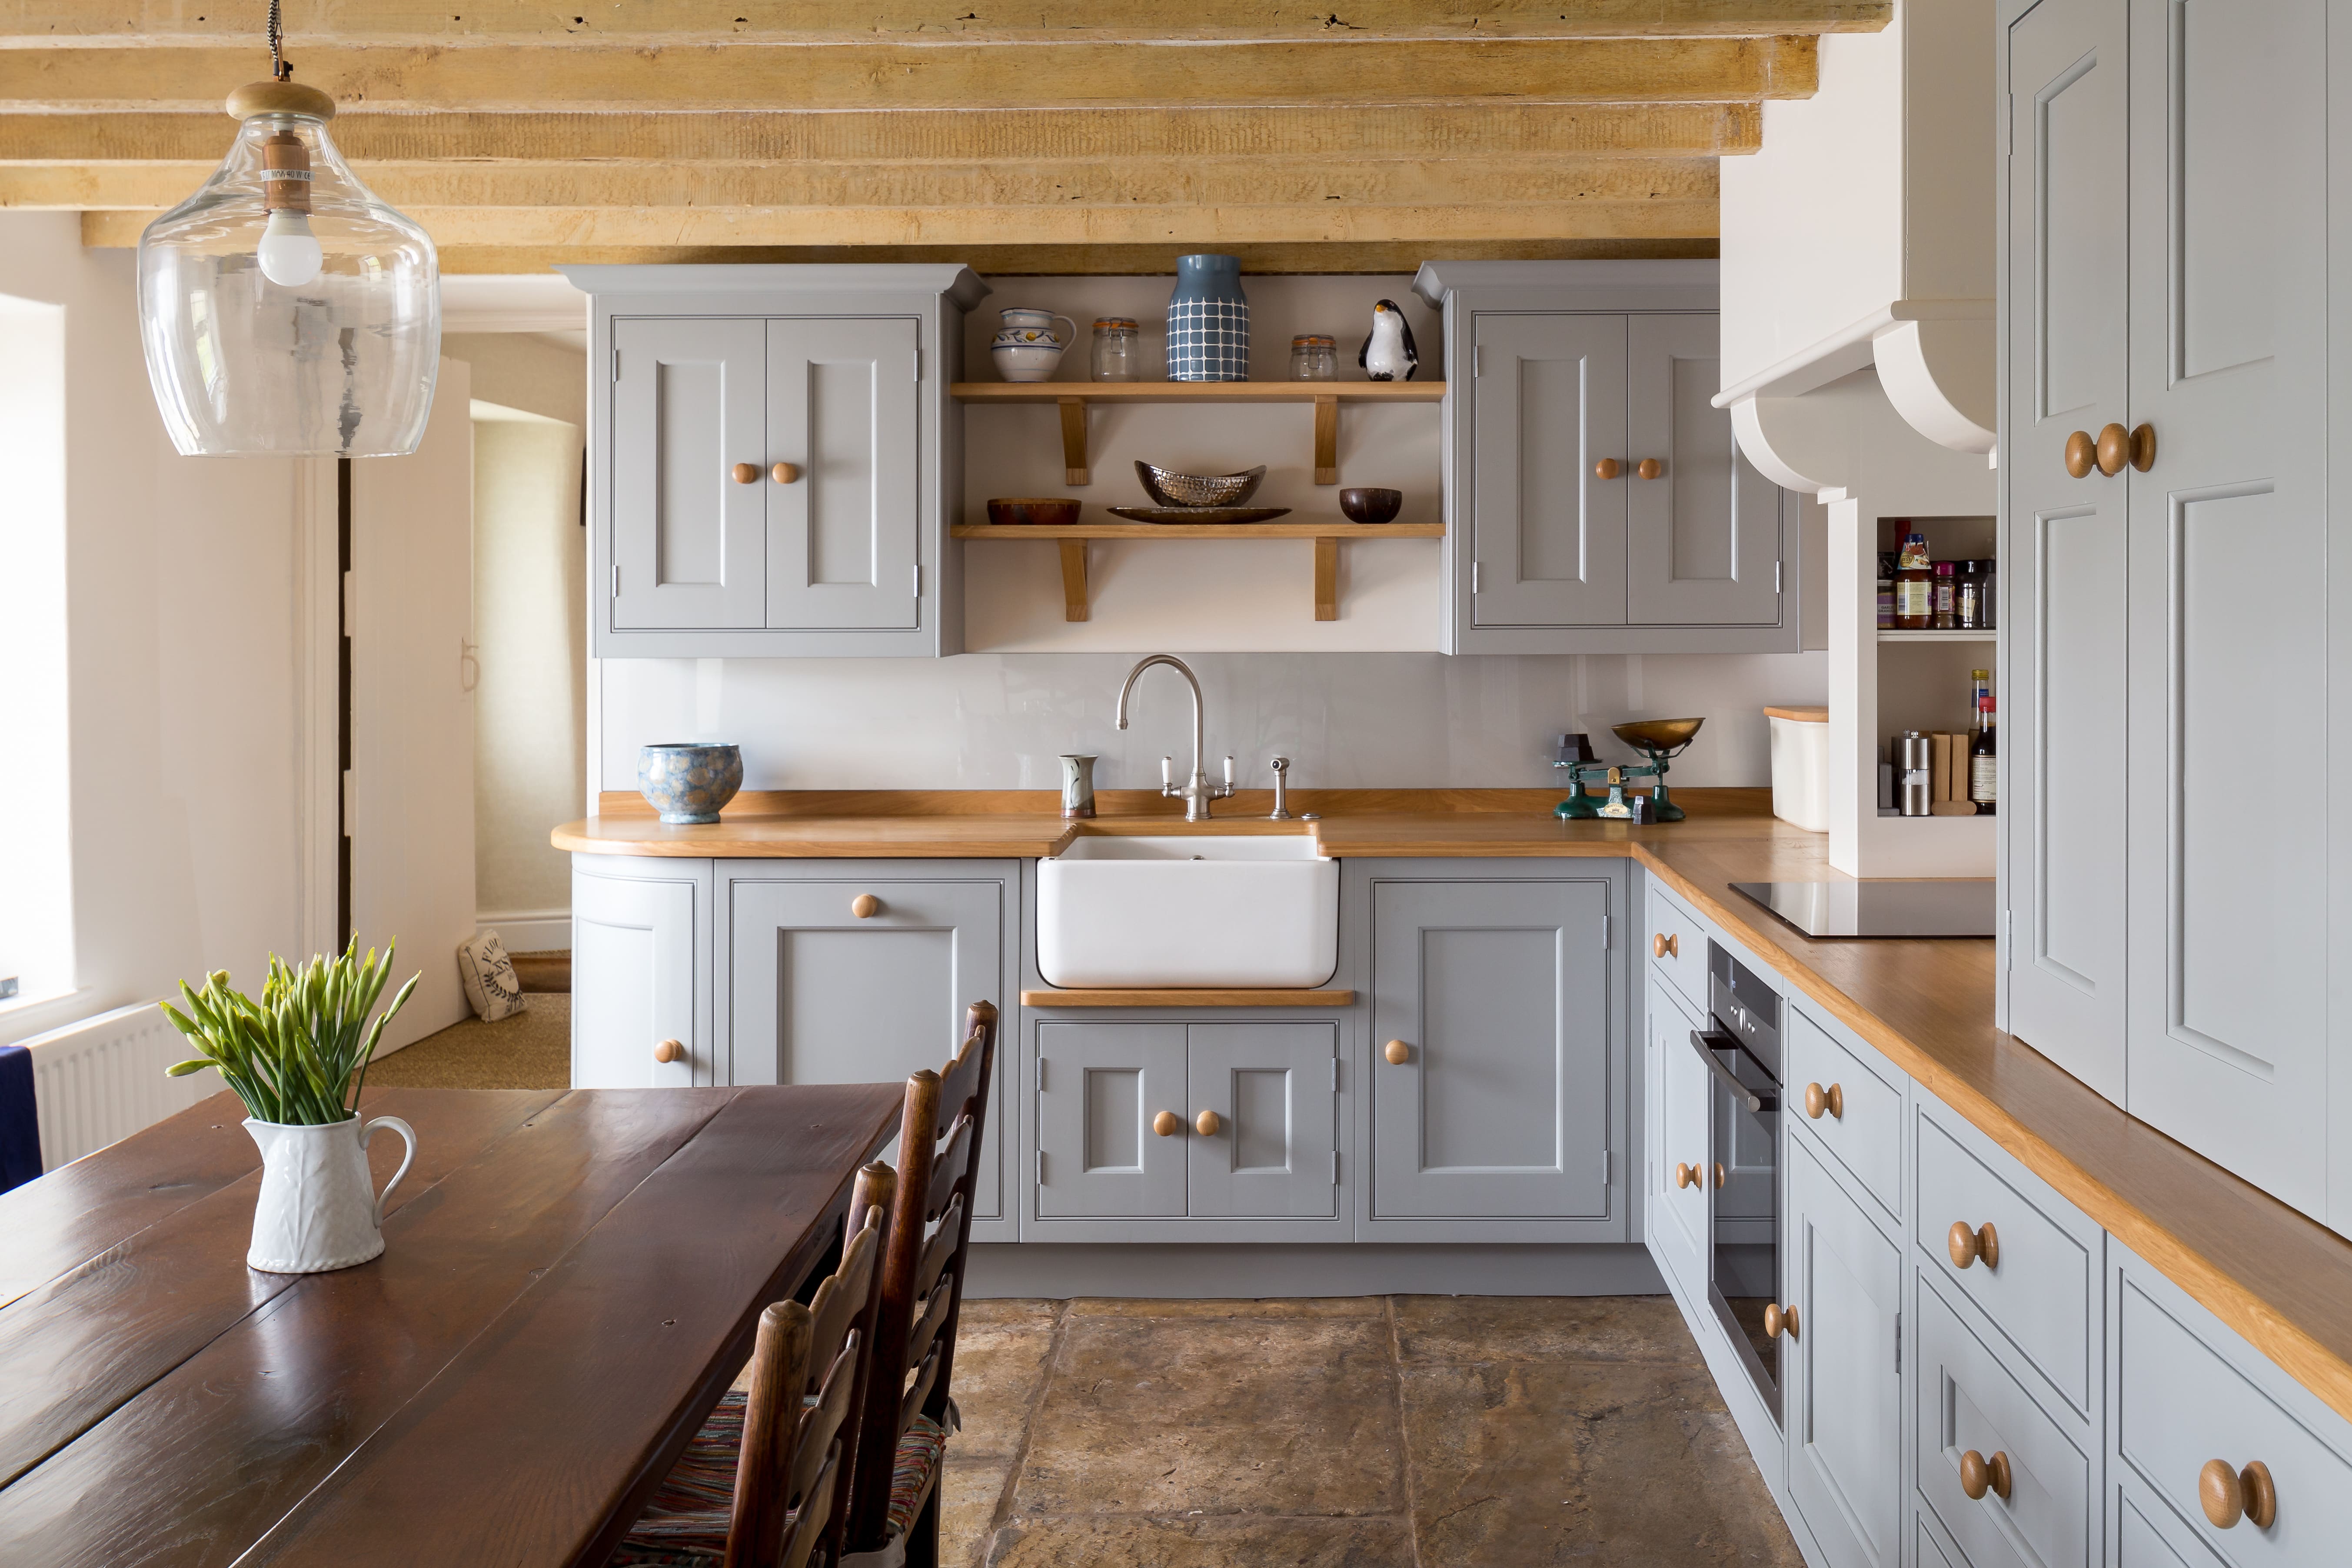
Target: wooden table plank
{"x": 77, "y": 1211}
{"x": 74, "y": 1348}
{"x": 204, "y": 1461}
{"x": 540, "y": 1442}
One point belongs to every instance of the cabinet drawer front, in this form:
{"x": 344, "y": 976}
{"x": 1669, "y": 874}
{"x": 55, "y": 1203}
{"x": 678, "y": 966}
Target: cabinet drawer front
{"x": 1861, "y": 1124}
{"x": 1098, "y": 1154}
{"x": 1676, "y": 945}
{"x": 2181, "y": 1403}
{"x": 2043, "y": 1292}
{"x": 1967, "y": 1401}
{"x": 2147, "y": 1536}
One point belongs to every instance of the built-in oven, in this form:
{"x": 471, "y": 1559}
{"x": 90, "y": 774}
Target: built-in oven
{"x": 1742, "y": 1048}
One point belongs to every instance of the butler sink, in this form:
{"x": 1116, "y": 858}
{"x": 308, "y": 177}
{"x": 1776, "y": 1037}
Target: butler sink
{"x": 1188, "y": 912}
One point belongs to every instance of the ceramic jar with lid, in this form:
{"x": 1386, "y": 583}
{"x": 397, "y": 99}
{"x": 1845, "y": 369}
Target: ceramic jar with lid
{"x": 1118, "y": 348}
{"x": 1208, "y": 320}
{"x": 1314, "y": 356}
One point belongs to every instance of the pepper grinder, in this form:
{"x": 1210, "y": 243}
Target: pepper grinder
{"x": 1281, "y": 812}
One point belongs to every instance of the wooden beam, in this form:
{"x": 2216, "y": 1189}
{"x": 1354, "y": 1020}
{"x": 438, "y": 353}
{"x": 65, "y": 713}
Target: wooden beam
{"x": 933, "y": 136}
{"x": 407, "y": 21}
{"x": 1129, "y": 185}
{"x": 1218, "y": 227}
{"x": 867, "y": 75}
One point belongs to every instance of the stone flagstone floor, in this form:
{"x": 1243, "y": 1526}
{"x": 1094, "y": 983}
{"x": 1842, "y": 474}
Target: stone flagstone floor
{"x": 1371, "y": 1432}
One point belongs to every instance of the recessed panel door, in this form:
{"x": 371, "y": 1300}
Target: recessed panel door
{"x": 1101, "y": 1088}
{"x": 1273, "y": 1089}
{"x": 1687, "y": 1091}
{"x": 1548, "y": 535}
{"x": 819, "y": 994}
{"x": 690, "y": 542}
{"x": 636, "y": 936}
{"x": 1498, "y": 994}
{"x": 2229, "y": 959}
{"x": 2064, "y": 561}
{"x": 843, "y": 537}
{"x": 1702, "y": 535}
{"x": 1844, "y": 1398}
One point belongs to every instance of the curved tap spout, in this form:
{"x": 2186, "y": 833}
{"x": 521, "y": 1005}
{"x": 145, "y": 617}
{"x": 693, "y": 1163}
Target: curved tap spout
{"x": 1196, "y": 791}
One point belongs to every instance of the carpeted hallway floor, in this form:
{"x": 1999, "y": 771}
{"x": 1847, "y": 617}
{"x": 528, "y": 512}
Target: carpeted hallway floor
{"x": 532, "y": 1049}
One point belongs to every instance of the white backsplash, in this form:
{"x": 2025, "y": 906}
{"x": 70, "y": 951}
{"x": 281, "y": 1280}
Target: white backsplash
{"x": 1000, "y": 720}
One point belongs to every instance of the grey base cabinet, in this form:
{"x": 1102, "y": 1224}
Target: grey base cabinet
{"x": 641, "y": 949}
{"x": 1500, "y": 993}
{"x": 812, "y": 991}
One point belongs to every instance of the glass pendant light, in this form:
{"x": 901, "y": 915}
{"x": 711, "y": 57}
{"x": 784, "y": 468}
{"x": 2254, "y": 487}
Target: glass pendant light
{"x": 286, "y": 312}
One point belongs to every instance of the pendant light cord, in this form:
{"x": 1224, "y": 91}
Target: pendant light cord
{"x": 278, "y": 70}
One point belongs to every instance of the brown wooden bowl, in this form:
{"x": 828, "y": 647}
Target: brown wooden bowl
{"x": 1036, "y": 511}
{"x": 1372, "y": 506}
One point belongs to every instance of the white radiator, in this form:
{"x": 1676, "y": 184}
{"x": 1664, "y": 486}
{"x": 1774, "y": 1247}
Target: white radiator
{"x": 98, "y": 1081}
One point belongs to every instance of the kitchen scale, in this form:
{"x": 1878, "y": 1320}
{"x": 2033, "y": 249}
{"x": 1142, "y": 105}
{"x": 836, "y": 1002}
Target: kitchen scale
{"x": 1660, "y": 741}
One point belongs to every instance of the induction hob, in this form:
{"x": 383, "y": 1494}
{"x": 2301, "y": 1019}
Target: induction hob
{"x": 1961, "y": 907}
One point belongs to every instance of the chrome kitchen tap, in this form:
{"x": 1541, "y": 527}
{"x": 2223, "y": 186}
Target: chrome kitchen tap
{"x": 1196, "y": 791}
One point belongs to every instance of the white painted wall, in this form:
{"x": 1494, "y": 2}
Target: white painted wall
{"x": 35, "y": 852}
{"x": 182, "y": 600}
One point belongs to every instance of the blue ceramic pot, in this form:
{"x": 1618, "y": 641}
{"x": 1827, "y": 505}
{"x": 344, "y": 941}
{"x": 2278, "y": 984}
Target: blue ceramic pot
{"x": 686, "y": 783}
{"x": 1208, "y": 320}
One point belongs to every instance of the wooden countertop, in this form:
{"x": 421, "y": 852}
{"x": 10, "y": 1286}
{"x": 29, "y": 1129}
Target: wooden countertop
{"x": 2279, "y": 1279}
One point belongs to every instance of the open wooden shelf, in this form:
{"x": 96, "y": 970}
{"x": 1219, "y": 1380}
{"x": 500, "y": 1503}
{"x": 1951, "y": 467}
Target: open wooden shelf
{"x": 1075, "y": 397}
{"x": 1326, "y": 535}
{"x": 1890, "y": 633}
{"x": 1175, "y": 998}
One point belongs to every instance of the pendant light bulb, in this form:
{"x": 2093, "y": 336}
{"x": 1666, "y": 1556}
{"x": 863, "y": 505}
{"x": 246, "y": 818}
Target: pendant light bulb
{"x": 289, "y": 254}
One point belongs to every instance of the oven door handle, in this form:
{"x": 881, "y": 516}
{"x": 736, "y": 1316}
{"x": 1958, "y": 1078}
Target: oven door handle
{"x": 1740, "y": 1091}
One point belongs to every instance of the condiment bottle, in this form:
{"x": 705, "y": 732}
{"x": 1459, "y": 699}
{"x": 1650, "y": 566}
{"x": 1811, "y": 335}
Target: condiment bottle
{"x": 1946, "y": 605}
{"x": 1984, "y": 767}
{"x": 1913, "y": 604}
{"x": 1885, "y": 589}
{"x": 1968, "y": 602}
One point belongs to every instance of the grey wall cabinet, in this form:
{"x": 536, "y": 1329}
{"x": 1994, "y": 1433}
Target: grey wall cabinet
{"x": 812, "y": 992}
{"x": 1505, "y": 1117}
{"x": 641, "y": 944}
{"x": 703, "y": 380}
{"x": 1554, "y": 369}
{"x": 1229, "y": 1128}
{"x": 2162, "y": 614}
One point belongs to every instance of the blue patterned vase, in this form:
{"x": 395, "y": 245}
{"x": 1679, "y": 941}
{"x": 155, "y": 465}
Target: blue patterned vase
{"x": 1208, "y": 320}
{"x": 688, "y": 783}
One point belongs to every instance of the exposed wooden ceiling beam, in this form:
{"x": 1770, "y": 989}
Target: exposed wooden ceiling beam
{"x": 1340, "y": 73}
{"x": 1488, "y": 131}
{"x": 404, "y": 21}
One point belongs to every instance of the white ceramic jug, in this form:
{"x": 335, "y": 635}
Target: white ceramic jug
{"x": 317, "y": 1208}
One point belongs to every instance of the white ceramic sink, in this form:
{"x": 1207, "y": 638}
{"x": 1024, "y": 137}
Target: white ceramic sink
{"x": 1188, "y": 912}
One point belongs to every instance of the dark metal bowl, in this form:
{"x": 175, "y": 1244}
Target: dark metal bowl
{"x": 1370, "y": 505}
{"x": 1169, "y": 488}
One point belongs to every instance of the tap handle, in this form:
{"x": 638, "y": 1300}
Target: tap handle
{"x": 1229, "y": 771}
{"x": 1167, "y": 772}
{"x": 1281, "y": 765}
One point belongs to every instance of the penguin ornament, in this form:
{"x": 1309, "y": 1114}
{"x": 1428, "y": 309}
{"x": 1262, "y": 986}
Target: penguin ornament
{"x": 1388, "y": 353}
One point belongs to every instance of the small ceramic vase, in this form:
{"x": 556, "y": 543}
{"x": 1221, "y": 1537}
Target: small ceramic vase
{"x": 1026, "y": 348}
{"x": 1077, "y": 784}
{"x": 688, "y": 783}
{"x": 317, "y": 1208}
{"x": 1208, "y": 320}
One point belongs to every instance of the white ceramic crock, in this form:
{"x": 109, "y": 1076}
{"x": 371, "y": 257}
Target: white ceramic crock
{"x": 317, "y": 1208}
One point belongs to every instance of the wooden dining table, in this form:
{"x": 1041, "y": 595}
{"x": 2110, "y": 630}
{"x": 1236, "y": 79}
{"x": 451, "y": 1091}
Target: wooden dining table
{"x": 569, "y": 1282}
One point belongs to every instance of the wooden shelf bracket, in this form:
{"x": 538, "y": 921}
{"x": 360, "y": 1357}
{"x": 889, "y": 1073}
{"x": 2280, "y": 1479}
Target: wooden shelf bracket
{"x": 1327, "y": 445}
{"x": 1075, "y": 469}
{"x": 1074, "y": 577}
{"x": 1327, "y": 579}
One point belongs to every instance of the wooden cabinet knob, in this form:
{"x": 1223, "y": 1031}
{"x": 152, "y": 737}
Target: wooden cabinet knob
{"x": 1663, "y": 945}
{"x": 1967, "y": 1245}
{"x": 669, "y": 1051}
{"x": 2113, "y": 449}
{"x": 866, "y": 906}
{"x": 746, "y": 473}
{"x": 1979, "y": 1475}
{"x": 785, "y": 473}
{"x": 1831, "y": 1099}
{"x": 2230, "y": 1495}
{"x": 2143, "y": 446}
{"x": 1779, "y": 1321}
{"x": 1206, "y": 1123}
{"x": 1722, "y": 1176}
{"x": 2081, "y": 452}
{"x": 1686, "y": 1175}
{"x": 1398, "y": 1053}
{"x": 1167, "y": 1124}
{"x": 1649, "y": 468}
{"x": 1607, "y": 468}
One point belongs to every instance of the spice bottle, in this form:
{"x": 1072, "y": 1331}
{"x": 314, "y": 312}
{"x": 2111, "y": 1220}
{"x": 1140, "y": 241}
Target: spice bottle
{"x": 1968, "y": 602}
{"x": 1885, "y": 589}
{"x": 1914, "y": 606}
{"x": 1947, "y": 599}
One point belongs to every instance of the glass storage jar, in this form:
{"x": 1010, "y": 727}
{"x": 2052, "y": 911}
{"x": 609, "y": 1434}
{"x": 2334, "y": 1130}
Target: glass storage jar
{"x": 1119, "y": 350}
{"x": 1314, "y": 356}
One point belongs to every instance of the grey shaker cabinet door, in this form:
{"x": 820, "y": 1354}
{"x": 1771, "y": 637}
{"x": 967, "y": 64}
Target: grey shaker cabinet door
{"x": 1272, "y": 1090}
{"x": 2229, "y": 939}
{"x": 689, "y": 544}
{"x": 634, "y": 942}
{"x": 843, "y": 538}
{"x": 1547, "y": 537}
{"x": 816, "y": 994}
{"x": 1685, "y": 1097}
{"x": 2064, "y": 559}
{"x": 1844, "y": 1404}
{"x": 1499, "y": 992}
{"x": 1102, "y": 1086}
{"x": 1703, "y": 538}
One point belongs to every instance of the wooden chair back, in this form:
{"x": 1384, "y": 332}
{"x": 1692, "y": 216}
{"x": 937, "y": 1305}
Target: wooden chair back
{"x": 810, "y": 1368}
{"x": 923, "y": 1260}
